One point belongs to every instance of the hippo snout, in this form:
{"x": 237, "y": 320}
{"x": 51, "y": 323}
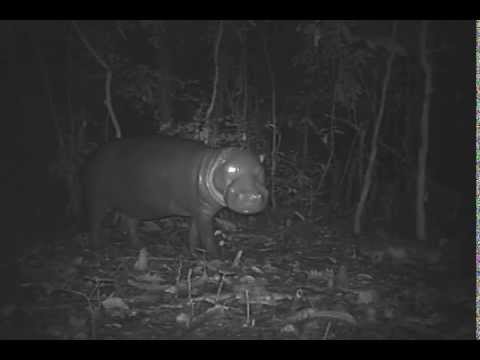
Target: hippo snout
{"x": 247, "y": 201}
{"x": 251, "y": 203}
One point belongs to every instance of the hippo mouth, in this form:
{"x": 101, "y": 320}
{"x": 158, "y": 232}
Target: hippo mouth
{"x": 246, "y": 201}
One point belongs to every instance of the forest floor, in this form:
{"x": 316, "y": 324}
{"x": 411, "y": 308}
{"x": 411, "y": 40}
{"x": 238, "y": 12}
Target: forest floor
{"x": 293, "y": 280}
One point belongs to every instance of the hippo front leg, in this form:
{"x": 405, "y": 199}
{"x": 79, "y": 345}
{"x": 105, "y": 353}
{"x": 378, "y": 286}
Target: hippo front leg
{"x": 97, "y": 212}
{"x": 201, "y": 233}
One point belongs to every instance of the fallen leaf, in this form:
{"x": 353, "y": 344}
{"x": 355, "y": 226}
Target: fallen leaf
{"x": 371, "y": 313}
{"x": 115, "y": 307}
{"x": 236, "y": 261}
{"x": 151, "y": 276}
{"x": 363, "y": 276}
{"x": 289, "y": 329}
{"x": 77, "y": 322}
{"x": 311, "y": 313}
{"x": 150, "y": 226}
{"x": 341, "y": 279}
{"x": 247, "y": 279}
{"x": 183, "y": 319}
{"x": 80, "y": 336}
{"x": 256, "y": 270}
{"x": 215, "y": 264}
{"x": 366, "y": 296}
{"x": 397, "y": 253}
{"x": 142, "y": 261}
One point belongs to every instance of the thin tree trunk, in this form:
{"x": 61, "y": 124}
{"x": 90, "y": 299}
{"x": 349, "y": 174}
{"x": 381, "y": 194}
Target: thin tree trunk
{"x": 331, "y": 138}
{"x": 47, "y": 87}
{"x": 216, "y": 50}
{"x": 245, "y": 91}
{"x": 274, "y": 123}
{"x": 348, "y": 173}
{"x": 373, "y": 152}
{"x": 163, "y": 68}
{"x": 421, "y": 228}
{"x": 69, "y": 76}
{"x": 108, "y": 80}
{"x": 305, "y": 135}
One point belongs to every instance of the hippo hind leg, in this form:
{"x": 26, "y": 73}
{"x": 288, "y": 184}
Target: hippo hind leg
{"x": 97, "y": 213}
{"x": 132, "y": 224}
{"x": 128, "y": 227}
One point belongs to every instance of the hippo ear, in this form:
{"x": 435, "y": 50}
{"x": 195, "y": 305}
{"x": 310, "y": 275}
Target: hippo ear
{"x": 261, "y": 157}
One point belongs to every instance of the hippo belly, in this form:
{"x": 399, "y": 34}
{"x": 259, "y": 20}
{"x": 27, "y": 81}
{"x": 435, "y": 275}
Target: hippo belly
{"x": 153, "y": 177}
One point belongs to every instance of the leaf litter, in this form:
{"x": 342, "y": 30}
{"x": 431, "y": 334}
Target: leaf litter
{"x": 296, "y": 283}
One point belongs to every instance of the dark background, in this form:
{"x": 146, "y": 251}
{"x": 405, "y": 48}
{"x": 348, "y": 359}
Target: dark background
{"x": 34, "y": 201}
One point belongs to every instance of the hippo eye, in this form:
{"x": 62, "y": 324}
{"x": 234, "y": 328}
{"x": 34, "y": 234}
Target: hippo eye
{"x": 232, "y": 169}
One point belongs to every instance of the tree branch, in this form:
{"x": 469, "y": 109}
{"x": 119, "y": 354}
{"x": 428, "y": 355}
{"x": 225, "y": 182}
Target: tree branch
{"x": 108, "y": 80}
{"x": 215, "y": 80}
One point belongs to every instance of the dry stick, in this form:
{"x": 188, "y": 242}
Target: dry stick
{"x": 220, "y": 286}
{"x": 91, "y": 308}
{"x": 421, "y": 229}
{"x": 306, "y": 122}
{"x": 360, "y": 159}
{"x": 215, "y": 80}
{"x": 243, "y": 89}
{"x": 373, "y": 154}
{"x": 189, "y": 284}
{"x": 327, "y": 330}
{"x": 306, "y": 133}
{"x": 69, "y": 82}
{"x": 247, "y": 302}
{"x": 347, "y": 166}
{"x": 120, "y": 30}
{"x": 275, "y": 146}
{"x": 108, "y": 80}
{"x": 108, "y": 104}
{"x": 236, "y": 261}
{"x": 245, "y": 93}
{"x": 179, "y": 273}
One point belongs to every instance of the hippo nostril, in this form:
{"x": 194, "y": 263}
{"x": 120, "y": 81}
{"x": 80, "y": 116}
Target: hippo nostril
{"x": 248, "y": 197}
{"x": 245, "y": 201}
{"x": 242, "y": 197}
{"x": 256, "y": 197}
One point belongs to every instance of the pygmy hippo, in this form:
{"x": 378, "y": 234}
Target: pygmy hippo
{"x": 152, "y": 177}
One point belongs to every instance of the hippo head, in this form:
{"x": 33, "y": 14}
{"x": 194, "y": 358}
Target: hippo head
{"x": 239, "y": 179}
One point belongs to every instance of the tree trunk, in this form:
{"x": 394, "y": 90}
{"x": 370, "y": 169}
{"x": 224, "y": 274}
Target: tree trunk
{"x": 108, "y": 79}
{"x": 374, "y": 142}
{"x": 305, "y": 136}
{"x": 421, "y": 228}
{"x": 164, "y": 90}
{"x": 274, "y": 123}
{"x": 209, "y": 139}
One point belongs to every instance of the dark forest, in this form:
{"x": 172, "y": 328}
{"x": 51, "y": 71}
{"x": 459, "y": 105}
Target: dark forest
{"x": 315, "y": 179}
